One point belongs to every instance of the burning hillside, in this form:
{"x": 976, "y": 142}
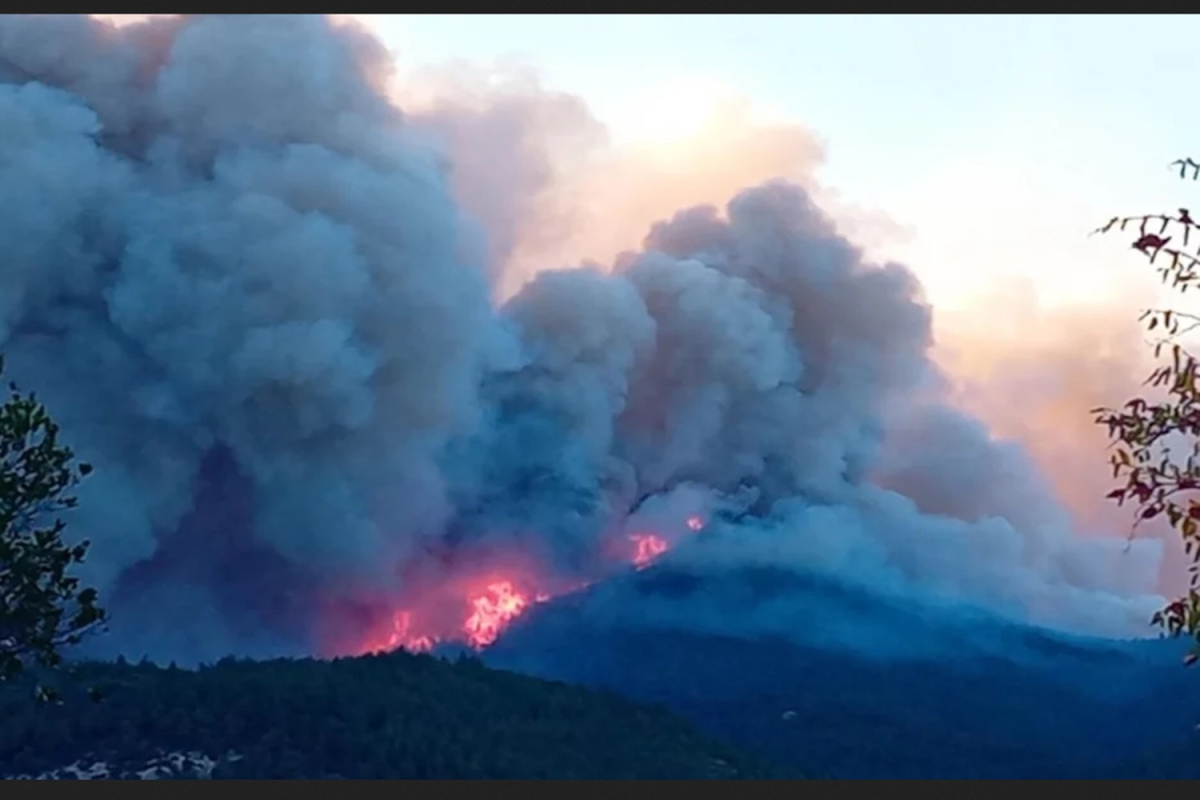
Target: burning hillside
{"x": 222, "y": 237}
{"x": 474, "y": 605}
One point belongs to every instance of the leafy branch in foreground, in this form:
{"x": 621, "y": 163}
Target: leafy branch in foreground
{"x": 43, "y": 608}
{"x": 1156, "y": 440}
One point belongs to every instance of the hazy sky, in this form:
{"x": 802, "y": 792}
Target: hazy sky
{"x": 1000, "y": 140}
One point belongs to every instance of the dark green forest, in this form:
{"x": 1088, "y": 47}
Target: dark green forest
{"x": 384, "y": 716}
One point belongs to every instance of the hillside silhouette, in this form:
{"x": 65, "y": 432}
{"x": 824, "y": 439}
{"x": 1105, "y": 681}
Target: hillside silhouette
{"x": 387, "y": 716}
{"x": 994, "y": 700}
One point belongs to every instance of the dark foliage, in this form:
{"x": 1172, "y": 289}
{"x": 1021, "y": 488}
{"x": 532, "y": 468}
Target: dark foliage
{"x": 43, "y": 607}
{"x": 388, "y": 716}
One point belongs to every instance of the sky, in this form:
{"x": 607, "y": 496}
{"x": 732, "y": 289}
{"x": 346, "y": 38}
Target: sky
{"x": 957, "y": 127}
{"x": 995, "y": 143}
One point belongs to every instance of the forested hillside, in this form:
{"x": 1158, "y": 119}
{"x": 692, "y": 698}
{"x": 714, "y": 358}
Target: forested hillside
{"x": 393, "y": 716}
{"x": 989, "y": 701}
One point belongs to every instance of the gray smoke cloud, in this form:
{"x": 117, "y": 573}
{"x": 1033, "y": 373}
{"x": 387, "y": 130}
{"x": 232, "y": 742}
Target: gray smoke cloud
{"x": 242, "y": 280}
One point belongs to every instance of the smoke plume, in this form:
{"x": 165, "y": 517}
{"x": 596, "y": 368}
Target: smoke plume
{"x": 346, "y": 385}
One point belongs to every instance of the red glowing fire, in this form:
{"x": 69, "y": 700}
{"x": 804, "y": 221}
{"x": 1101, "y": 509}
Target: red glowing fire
{"x": 491, "y": 611}
{"x": 400, "y": 636}
{"x": 647, "y": 548}
{"x": 476, "y": 612}
{"x": 484, "y": 612}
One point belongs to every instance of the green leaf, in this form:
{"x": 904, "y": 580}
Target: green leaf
{"x": 46, "y": 608}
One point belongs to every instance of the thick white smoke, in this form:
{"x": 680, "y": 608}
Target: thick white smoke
{"x": 240, "y": 278}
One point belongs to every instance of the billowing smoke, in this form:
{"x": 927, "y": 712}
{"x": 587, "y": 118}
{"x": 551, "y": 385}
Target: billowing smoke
{"x": 252, "y": 292}
{"x": 1030, "y": 377}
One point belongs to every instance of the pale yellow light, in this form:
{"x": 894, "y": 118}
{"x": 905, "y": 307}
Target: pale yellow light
{"x": 673, "y": 111}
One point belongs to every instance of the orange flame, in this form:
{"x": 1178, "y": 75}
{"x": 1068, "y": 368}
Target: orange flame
{"x": 402, "y": 638}
{"x": 398, "y": 636}
{"x": 491, "y": 612}
{"x": 427, "y": 621}
{"x": 647, "y": 549}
